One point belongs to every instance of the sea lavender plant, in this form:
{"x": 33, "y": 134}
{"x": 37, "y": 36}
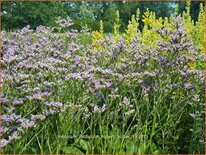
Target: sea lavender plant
{"x": 122, "y": 90}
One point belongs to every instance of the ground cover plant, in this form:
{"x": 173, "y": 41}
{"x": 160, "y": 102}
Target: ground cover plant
{"x": 66, "y": 91}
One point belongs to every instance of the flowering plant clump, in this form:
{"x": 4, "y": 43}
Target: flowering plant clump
{"x": 115, "y": 95}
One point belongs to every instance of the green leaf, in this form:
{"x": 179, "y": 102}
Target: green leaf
{"x": 121, "y": 151}
{"x": 73, "y": 150}
{"x": 158, "y": 151}
{"x": 130, "y": 147}
{"x": 84, "y": 144}
{"x": 143, "y": 148}
{"x": 153, "y": 147}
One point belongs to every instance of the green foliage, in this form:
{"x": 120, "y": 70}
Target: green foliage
{"x": 16, "y": 15}
{"x": 19, "y": 14}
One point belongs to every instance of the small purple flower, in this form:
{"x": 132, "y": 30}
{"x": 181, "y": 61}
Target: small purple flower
{"x": 3, "y": 143}
{"x": 38, "y": 117}
{"x": 162, "y": 60}
{"x": 36, "y": 56}
{"x": 27, "y": 124}
{"x": 98, "y": 95}
{"x": 54, "y": 104}
{"x": 18, "y": 101}
{"x": 14, "y": 136}
{"x": 104, "y": 107}
{"x": 96, "y": 109}
{"x": 4, "y": 100}
{"x": 77, "y": 59}
{"x": 14, "y": 128}
{"x": 188, "y": 85}
{"x": 114, "y": 54}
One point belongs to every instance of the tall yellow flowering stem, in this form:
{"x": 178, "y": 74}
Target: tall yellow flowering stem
{"x": 117, "y": 26}
{"x": 98, "y": 36}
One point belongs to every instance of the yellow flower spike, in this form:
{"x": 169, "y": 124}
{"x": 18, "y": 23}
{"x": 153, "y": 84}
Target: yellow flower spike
{"x": 198, "y": 34}
{"x": 176, "y": 10}
{"x": 98, "y": 36}
{"x": 101, "y": 27}
{"x": 131, "y": 29}
{"x": 149, "y": 35}
{"x": 187, "y": 20}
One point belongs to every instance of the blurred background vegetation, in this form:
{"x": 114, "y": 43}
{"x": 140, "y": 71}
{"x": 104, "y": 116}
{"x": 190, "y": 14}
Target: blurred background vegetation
{"x": 16, "y": 15}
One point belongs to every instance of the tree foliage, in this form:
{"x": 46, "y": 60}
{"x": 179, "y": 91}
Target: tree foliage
{"x": 16, "y": 15}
